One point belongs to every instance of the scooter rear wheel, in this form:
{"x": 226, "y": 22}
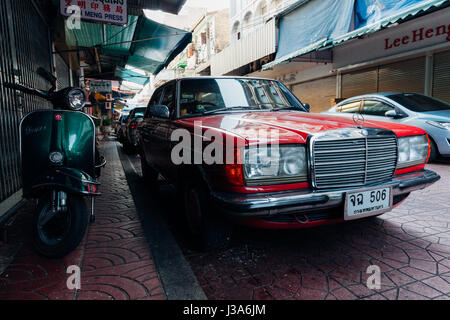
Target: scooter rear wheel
{"x": 62, "y": 233}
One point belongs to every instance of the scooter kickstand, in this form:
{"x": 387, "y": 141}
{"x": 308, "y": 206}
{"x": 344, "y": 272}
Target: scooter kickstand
{"x": 92, "y": 218}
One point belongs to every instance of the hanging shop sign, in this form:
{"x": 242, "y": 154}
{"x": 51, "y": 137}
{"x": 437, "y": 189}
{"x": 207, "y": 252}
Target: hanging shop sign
{"x": 104, "y": 11}
{"x": 100, "y": 86}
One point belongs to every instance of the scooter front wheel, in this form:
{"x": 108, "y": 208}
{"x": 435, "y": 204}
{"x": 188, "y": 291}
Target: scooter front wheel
{"x": 62, "y": 233}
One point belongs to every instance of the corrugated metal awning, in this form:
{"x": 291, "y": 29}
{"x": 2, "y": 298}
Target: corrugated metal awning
{"x": 132, "y": 76}
{"x": 143, "y": 43}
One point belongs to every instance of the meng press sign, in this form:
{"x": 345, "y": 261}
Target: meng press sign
{"x": 104, "y": 11}
{"x": 100, "y": 86}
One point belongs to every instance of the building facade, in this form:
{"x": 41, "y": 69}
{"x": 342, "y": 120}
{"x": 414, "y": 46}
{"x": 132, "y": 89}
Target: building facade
{"x": 413, "y": 56}
{"x": 248, "y": 15}
{"x": 253, "y": 36}
{"x": 210, "y": 35}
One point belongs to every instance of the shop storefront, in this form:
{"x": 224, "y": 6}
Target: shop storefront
{"x": 407, "y": 56}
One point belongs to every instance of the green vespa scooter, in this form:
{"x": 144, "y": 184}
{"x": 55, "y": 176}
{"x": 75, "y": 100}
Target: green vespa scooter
{"x": 60, "y": 165}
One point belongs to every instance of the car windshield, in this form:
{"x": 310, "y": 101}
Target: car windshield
{"x": 420, "y": 103}
{"x": 207, "y": 96}
{"x": 139, "y": 112}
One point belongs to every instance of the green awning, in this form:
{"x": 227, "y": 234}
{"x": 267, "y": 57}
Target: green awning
{"x": 143, "y": 43}
{"x": 165, "y": 44}
{"x": 421, "y": 7}
{"x": 132, "y": 76}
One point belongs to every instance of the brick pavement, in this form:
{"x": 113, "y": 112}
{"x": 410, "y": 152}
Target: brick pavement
{"x": 411, "y": 245}
{"x": 114, "y": 256}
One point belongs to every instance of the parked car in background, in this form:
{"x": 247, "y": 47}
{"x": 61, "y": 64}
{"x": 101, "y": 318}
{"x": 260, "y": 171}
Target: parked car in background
{"x": 120, "y": 126}
{"x": 414, "y": 109}
{"x": 128, "y": 139}
{"x": 288, "y": 168}
{"x": 117, "y": 124}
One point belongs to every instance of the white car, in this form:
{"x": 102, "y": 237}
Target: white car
{"x": 414, "y": 109}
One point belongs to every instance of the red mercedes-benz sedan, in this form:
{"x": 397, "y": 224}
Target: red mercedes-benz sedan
{"x": 246, "y": 150}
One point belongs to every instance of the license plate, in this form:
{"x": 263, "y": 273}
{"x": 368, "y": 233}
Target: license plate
{"x": 366, "y": 203}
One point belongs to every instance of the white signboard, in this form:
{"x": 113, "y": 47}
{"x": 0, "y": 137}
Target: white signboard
{"x": 100, "y": 86}
{"x": 423, "y": 32}
{"x": 105, "y": 11}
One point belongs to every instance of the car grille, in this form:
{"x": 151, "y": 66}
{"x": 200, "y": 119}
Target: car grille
{"x": 353, "y": 162}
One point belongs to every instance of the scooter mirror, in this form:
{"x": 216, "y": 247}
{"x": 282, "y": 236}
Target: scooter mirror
{"x": 47, "y": 76}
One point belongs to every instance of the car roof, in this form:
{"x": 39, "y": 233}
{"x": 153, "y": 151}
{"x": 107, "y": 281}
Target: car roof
{"x": 380, "y": 94}
{"x": 217, "y": 77}
{"x": 223, "y": 77}
{"x": 371, "y": 95}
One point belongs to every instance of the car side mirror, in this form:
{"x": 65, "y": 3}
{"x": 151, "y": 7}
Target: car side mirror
{"x": 393, "y": 114}
{"x": 307, "y": 107}
{"x": 160, "y": 111}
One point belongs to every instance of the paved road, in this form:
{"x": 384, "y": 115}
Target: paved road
{"x": 411, "y": 245}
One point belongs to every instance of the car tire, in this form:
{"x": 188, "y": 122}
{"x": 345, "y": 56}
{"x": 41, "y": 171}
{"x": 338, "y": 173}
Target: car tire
{"x": 127, "y": 148}
{"x": 434, "y": 154}
{"x": 211, "y": 231}
{"x": 149, "y": 174}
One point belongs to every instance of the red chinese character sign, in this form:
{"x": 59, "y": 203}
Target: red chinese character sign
{"x": 104, "y": 11}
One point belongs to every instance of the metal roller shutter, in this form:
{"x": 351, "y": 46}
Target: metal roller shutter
{"x": 62, "y": 73}
{"x": 359, "y": 82}
{"x": 318, "y": 93}
{"x": 404, "y": 76}
{"x": 441, "y": 76}
{"x": 23, "y": 48}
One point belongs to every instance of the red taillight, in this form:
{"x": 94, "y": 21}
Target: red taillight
{"x": 92, "y": 188}
{"x": 233, "y": 172}
{"x": 133, "y": 126}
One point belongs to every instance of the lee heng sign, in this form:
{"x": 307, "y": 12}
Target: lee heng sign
{"x": 104, "y": 11}
{"x": 418, "y": 35}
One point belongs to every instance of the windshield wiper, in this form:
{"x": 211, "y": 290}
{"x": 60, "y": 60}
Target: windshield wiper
{"x": 230, "y": 109}
{"x": 286, "y": 108}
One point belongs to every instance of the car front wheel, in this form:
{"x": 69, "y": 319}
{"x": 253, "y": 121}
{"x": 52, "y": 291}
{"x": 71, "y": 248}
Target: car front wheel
{"x": 434, "y": 154}
{"x": 211, "y": 231}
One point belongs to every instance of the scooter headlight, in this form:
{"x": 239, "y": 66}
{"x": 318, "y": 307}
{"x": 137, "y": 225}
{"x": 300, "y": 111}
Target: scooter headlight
{"x": 77, "y": 99}
{"x": 56, "y": 157}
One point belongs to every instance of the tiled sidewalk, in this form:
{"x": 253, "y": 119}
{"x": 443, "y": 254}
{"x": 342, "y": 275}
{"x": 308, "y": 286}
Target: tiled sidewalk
{"x": 114, "y": 257}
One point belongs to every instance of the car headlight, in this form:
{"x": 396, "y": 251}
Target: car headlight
{"x": 275, "y": 163}
{"x": 412, "y": 151}
{"x": 441, "y": 125}
{"x": 77, "y": 99}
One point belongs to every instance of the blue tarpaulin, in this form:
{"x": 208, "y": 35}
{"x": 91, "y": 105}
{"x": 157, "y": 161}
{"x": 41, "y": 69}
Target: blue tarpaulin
{"x": 315, "y": 21}
{"x": 371, "y": 11}
{"x": 319, "y": 24}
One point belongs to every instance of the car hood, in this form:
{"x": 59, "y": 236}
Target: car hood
{"x": 442, "y": 115}
{"x": 291, "y": 127}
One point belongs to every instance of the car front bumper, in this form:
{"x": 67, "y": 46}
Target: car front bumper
{"x": 307, "y": 200}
